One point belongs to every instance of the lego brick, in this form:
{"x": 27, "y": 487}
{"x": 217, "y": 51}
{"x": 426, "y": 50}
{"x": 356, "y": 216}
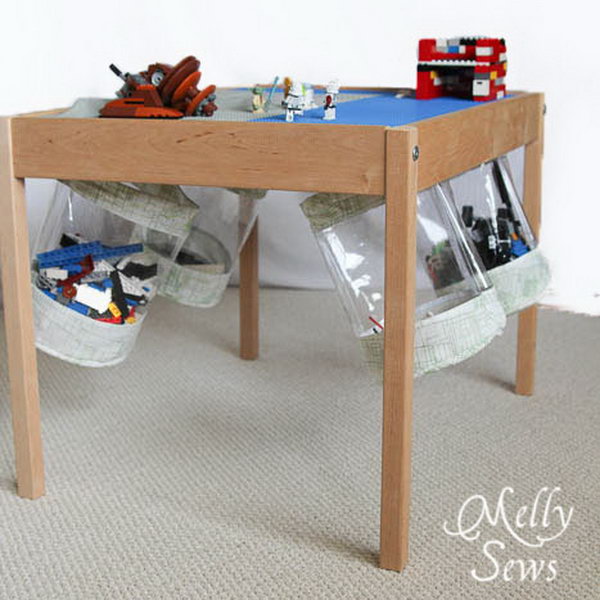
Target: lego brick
{"x": 130, "y": 286}
{"x": 78, "y": 307}
{"x": 117, "y": 251}
{"x": 118, "y": 295}
{"x": 54, "y": 273}
{"x": 140, "y": 271}
{"x": 94, "y": 298}
{"x": 73, "y": 254}
{"x": 481, "y": 87}
{"x": 65, "y": 256}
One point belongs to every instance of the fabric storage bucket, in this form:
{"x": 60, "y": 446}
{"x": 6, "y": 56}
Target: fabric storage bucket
{"x": 197, "y": 270}
{"x": 492, "y": 212}
{"x": 457, "y": 311}
{"x": 91, "y": 282}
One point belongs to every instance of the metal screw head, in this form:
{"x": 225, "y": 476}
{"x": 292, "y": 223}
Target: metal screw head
{"x": 415, "y": 153}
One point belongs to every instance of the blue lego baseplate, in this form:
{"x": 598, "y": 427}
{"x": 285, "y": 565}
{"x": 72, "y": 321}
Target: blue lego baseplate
{"x": 381, "y": 109}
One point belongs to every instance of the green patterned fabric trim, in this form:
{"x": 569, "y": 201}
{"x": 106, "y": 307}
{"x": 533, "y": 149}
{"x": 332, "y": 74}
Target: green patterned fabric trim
{"x": 164, "y": 208}
{"x": 249, "y": 194}
{"x": 325, "y": 210}
{"x": 521, "y": 282}
{"x": 447, "y": 338}
{"x": 75, "y": 338}
{"x": 201, "y": 286}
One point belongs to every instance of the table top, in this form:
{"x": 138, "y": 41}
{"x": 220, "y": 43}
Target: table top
{"x": 354, "y": 107}
{"x": 236, "y": 148}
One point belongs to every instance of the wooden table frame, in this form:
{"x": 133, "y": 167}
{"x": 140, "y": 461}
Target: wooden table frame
{"x": 340, "y": 158}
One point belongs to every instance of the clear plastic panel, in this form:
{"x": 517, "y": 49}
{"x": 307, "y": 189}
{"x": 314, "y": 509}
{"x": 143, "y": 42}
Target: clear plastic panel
{"x": 448, "y": 270}
{"x": 492, "y": 213}
{"x": 197, "y": 268}
{"x": 227, "y": 215}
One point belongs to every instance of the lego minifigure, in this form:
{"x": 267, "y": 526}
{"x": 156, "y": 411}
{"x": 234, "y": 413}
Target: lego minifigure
{"x": 287, "y": 86}
{"x": 294, "y": 102}
{"x": 309, "y": 96}
{"x": 332, "y": 90}
{"x": 258, "y": 100}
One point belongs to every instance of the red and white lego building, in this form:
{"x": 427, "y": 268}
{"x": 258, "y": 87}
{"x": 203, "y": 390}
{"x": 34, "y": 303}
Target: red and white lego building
{"x": 468, "y": 67}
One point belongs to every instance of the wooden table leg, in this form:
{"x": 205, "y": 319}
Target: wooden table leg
{"x": 532, "y": 203}
{"x": 400, "y": 265}
{"x": 249, "y": 296}
{"x": 18, "y": 318}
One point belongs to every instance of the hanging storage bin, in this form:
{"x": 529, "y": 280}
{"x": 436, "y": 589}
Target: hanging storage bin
{"x": 494, "y": 217}
{"x": 457, "y": 312}
{"x": 91, "y": 282}
{"x": 197, "y": 270}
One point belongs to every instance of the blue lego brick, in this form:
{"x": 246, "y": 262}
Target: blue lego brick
{"x": 108, "y": 252}
{"x": 453, "y": 49}
{"x": 78, "y": 307}
{"x": 49, "y": 294}
{"x": 65, "y": 256}
{"x": 70, "y": 256}
{"x": 518, "y": 248}
{"x": 73, "y": 268}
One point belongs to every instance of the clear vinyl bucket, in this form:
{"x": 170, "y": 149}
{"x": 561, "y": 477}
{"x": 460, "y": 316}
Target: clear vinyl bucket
{"x": 92, "y": 283}
{"x": 457, "y": 312}
{"x": 493, "y": 215}
{"x": 197, "y": 269}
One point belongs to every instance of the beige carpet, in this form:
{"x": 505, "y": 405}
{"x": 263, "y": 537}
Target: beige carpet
{"x": 186, "y": 473}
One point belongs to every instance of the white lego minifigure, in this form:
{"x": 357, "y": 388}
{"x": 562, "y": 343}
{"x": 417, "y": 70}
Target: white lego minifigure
{"x": 332, "y": 90}
{"x": 309, "y": 97}
{"x": 294, "y": 102}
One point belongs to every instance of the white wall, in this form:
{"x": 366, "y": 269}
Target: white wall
{"x": 53, "y": 52}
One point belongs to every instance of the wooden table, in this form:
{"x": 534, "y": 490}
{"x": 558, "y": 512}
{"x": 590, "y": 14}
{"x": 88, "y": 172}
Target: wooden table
{"x": 394, "y": 161}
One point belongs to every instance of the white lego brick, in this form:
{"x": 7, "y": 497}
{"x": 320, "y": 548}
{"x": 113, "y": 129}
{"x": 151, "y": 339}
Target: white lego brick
{"x": 484, "y": 51}
{"x": 462, "y": 49}
{"x": 102, "y": 266}
{"x": 55, "y": 273}
{"x": 500, "y": 94}
{"x": 437, "y": 81}
{"x": 96, "y": 299}
{"x": 481, "y": 87}
{"x": 450, "y": 63}
{"x": 132, "y": 285}
{"x": 502, "y": 57}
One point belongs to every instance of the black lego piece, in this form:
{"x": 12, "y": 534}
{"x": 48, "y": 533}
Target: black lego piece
{"x": 118, "y": 296}
{"x": 142, "y": 272}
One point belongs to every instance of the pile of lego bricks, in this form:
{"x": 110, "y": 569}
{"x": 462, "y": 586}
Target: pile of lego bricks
{"x": 102, "y": 282}
{"x": 470, "y": 67}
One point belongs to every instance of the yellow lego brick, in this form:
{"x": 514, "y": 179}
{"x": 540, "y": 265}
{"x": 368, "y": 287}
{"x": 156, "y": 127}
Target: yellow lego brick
{"x": 493, "y": 75}
{"x": 130, "y": 320}
{"x": 114, "y": 309}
